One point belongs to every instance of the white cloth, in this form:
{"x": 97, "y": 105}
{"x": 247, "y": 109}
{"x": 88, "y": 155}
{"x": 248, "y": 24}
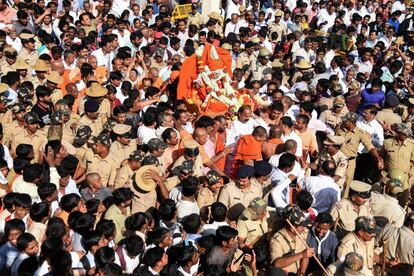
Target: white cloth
{"x": 325, "y": 16}
{"x": 295, "y": 137}
{"x": 210, "y": 229}
{"x": 319, "y": 186}
{"x": 376, "y": 131}
{"x": 244, "y": 128}
{"x": 131, "y": 263}
{"x": 101, "y": 58}
{"x": 145, "y": 134}
{"x": 297, "y": 169}
{"x": 280, "y": 193}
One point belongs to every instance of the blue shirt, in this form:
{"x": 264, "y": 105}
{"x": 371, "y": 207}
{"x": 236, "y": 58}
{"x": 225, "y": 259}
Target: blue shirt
{"x": 369, "y": 98}
{"x": 395, "y": 24}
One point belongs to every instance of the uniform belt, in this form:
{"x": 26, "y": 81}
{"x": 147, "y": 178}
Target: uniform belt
{"x": 351, "y": 158}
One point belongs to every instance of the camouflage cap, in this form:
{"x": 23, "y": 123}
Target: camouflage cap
{"x": 103, "y": 139}
{"x": 63, "y": 107}
{"x": 17, "y": 107}
{"x": 150, "y": 160}
{"x": 395, "y": 186}
{"x": 24, "y": 93}
{"x": 56, "y": 117}
{"x": 109, "y": 125}
{"x": 354, "y": 262}
{"x": 350, "y": 116}
{"x": 137, "y": 156}
{"x": 159, "y": 52}
{"x": 337, "y": 88}
{"x": 367, "y": 224}
{"x": 155, "y": 143}
{"x": 82, "y": 135}
{"x": 264, "y": 52}
{"x": 256, "y": 208}
{"x": 295, "y": 215}
{"x": 186, "y": 168}
{"x": 403, "y": 128}
{"x": 31, "y": 118}
{"x": 213, "y": 177}
{"x": 4, "y": 99}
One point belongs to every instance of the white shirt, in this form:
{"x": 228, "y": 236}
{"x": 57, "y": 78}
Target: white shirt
{"x": 295, "y": 137}
{"x": 101, "y": 58}
{"x": 15, "y": 43}
{"x": 232, "y": 28}
{"x": 280, "y": 193}
{"x": 363, "y": 66}
{"x": 297, "y": 169}
{"x": 247, "y": 128}
{"x": 309, "y": 56}
{"x": 123, "y": 39}
{"x": 185, "y": 208}
{"x": 319, "y": 187}
{"x": 71, "y": 188}
{"x": 210, "y": 229}
{"x": 376, "y": 131}
{"x": 146, "y": 133}
{"x": 325, "y": 16}
{"x": 131, "y": 263}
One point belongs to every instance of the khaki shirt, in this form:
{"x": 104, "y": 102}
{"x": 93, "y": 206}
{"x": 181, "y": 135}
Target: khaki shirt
{"x": 352, "y": 140}
{"x": 383, "y": 205}
{"x": 338, "y": 269}
{"x": 400, "y": 243}
{"x": 346, "y": 213}
{"x": 387, "y": 116}
{"x": 341, "y": 163}
{"x": 36, "y": 82}
{"x": 141, "y": 201}
{"x": 261, "y": 72}
{"x": 282, "y": 245}
{"x": 279, "y": 29}
{"x": 196, "y": 19}
{"x": 57, "y": 95}
{"x": 197, "y": 168}
{"x": 351, "y": 243}
{"x": 124, "y": 177}
{"x": 245, "y": 59}
{"x": 80, "y": 152}
{"x": 230, "y": 194}
{"x": 122, "y": 152}
{"x": 6, "y": 118}
{"x": 251, "y": 229}
{"x": 11, "y": 130}
{"x": 105, "y": 167}
{"x": 36, "y": 140}
{"x": 116, "y": 215}
{"x": 30, "y": 57}
{"x": 398, "y": 156}
{"x": 330, "y": 118}
{"x": 96, "y": 125}
{"x": 5, "y": 66}
{"x": 206, "y": 197}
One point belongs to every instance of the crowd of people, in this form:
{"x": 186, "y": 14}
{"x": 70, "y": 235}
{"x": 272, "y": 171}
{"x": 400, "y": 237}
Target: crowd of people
{"x": 246, "y": 137}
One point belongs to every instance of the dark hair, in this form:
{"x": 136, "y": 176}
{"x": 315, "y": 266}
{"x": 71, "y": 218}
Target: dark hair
{"x": 304, "y": 200}
{"x": 90, "y": 239}
{"x": 190, "y": 186}
{"x": 328, "y": 167}
{"x": 69, "y": 202}
{"x": 50, "y": 246}
{"x": 122, "y": 195}
{"x": 218, "y": 211}
{"x": 153, "y": 256}
{"x": 134, "y": 245}
{"x": 135, "y": 222}
{"x": 55, "y": 228}
{"x": 92, "y": 205}
{"x": 166, "y": 134}
{"x": 8, "y": 200}
{"x": 204, "y": 122}
{"x": 286, "y": 120}
{"x": 23, "y": 150}
{"x": 32, "y": 172}
{"x": 191, "y": 223}
{"x": 324, "y": 218}
{"x": 60, "y": 262}
{"x": 103, "y": 256}
{"x": 307, "y": 107}
{"x": 110, "y": 269}
{"x": 167, "y": 209}
{"x": 120, "y": 109}
{"x": 43, "y": 91}
{"x": 157, "y": 235}
{"x": 14, "y": 224}
{"x": 304, "y": 118}
{"x": 28, "y": 266}
{"x": 106, "y": 228}
{"x": 286, "y": 160}
{"x": 22, "y": 200}
{"x": 80, "y": 222}
{"x": 224, "y": 234}
{"x": 39, "y": 211}
{"x": 45, "y": 190}
{"x": 23, "y": 240}
{"x": 149, "y": 118}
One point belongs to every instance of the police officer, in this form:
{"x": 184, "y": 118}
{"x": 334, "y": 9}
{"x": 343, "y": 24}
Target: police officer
{"x": 353, "y": 137}
{"x": 399, "y": 153}
{"x": 16, "y": 125}
{"x": 400, "y": 244}
{"x": 263, "y": 171}
{"x": 208, "y": 194}
{"x": 91, "y": 118}
{"x": 243, "y": 191}
{"x": 332, "y": 152}
{"x": 53, "y": 79}
{"x": 6, "y": 64}
{"x": 28, "y": 53}
{"x": 191, "y": 152}
{"x": 352, "y": 265}
{"x": 5, "y": 114}
{"x": 247, "y": 57}
{"x": 99, "y": 161}
{"x": 347, "y": 210}
{"x": 195, "y": 17}
{"x": 261, "y": 70}
{"x": 277, "y": 27}
{"x": 83, "y": 134}
{"x": 286, "y": 249}
{"x": 97, "y": 92}
{"x": 361, "y": 241}
{"x": 156, "y": 148}
{"x": 123, "y": 146}
{"x": 332, "y": 116}
{"x": 41, "y": 68}
{"x": 125, "y": 173}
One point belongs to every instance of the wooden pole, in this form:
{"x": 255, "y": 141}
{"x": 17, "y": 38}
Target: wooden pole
{"x": 304, "y": 243}
{"x": 384, "y": 257}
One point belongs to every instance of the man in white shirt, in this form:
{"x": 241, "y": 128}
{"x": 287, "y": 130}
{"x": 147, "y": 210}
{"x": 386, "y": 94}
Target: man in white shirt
{"x": 326, "y": 18}
{"x": 324, "y": 190}
{"x": 233, "y": 26}
{"x": 147, "y": 131}
{"x": 369, "y": 124}
{"x": 281, "y": 180}
{"x": 103, "y": 53}
{"x": 364, "y": 64}
{"x": 245, "y": 124}
{"x": 289, "y": 134}
{"x": 306, "y": 52}
{"x": 218, "y": 215}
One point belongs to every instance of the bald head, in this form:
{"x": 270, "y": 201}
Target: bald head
{"x": 200, "y": 135}
{"x": 92, "y": 178}
{"x": 275, "y": 131}
{"x": 57, "y": 65}
{"x": 290, "y": 146}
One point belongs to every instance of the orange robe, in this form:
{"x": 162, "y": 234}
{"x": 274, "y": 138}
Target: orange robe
{"x": 220, "y": 143}
{"x": 248, "y": 148}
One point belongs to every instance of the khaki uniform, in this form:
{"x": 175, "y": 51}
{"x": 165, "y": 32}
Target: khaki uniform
{"x": 341, "y": 163}
{"x": 350, "y": 148}
{"x": 387, "y": 116}
{"x": 80, "y": 152}
{"x": 261, "y": 72}
{"x": 124, "y": 177}
{"x": 57, "y": 95}
{"x": 171, "y": 182}
{"x": 400, "y": 243}
{"x": 282, "y": 245}
{"x": 251, "y": 229}
{"x": 399, "y": 156}
{"x": 230, "y": 194}
{"x": 157, "y": 65}
{"x": 351, "y": 243}
{"x": 122, "y": 152}
{"x": 68, "y": 134}
{"x": 338, "y": 269}
{"x": 141, "y": 202}
{"x": 36, "y": 82}
{"x": 11, "y": 130}
{"x": 105, "y": 167}
{"x": 115, "y": 214}
{"x": 36, "y": 140}
{"x": 218, "y": 29}
{"x": 266, "y": 186}
{"x": 346, "y": 213}
{"x": 245, "y": 59}
{"x": 196, "y": 19}
{"x": 279, "y": 29}
{"x": 331, "y": 118}
{"x": 206, "y": 197}
{"x": 5, "y": 66}
{"x": 6, "y": 118}
{"x": 105, "y": 110}
{"x": 96, "y": 125}
{"x": 30, "y": 57}
{"x": 383, "y": 205}
{"x": 198, "y": 165}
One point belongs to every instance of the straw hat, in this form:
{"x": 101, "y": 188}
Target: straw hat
{"x": 54, "y": 77}
{"x": 214, "y": 15}
{"x": 21, "y": 64}
{"x": 303, "y": 64}
{"x": 41, "y": 66}
{"x": 143, "y": 182}
{"x": 277, "y": 64}
{"x": 96, "y": 90}
{"x": 3, "y": 87}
